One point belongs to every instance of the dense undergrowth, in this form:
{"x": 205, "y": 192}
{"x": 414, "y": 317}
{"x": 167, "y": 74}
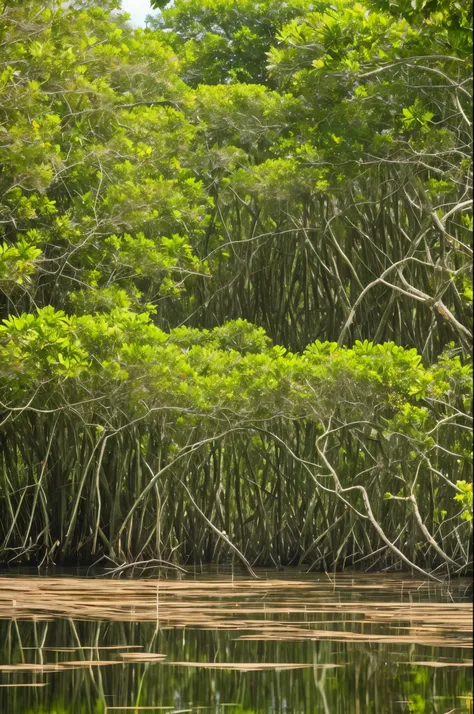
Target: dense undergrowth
{"x": 235, "y": 274}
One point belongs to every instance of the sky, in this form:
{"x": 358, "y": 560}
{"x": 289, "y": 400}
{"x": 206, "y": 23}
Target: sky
{"x": 138, "y": 9}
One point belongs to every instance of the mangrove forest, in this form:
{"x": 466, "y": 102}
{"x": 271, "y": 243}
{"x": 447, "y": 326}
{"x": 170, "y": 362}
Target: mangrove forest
{"x": 236, "y": 285}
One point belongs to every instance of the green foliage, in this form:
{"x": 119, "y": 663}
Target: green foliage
{"x": 465, "y": 497}
{"x": 222, "y": 41}
{"x": 113, "y": 205}
{"x": 442, "y": 14}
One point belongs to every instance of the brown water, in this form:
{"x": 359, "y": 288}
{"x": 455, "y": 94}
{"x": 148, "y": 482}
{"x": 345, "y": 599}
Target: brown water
{"x": 288, "y": 643}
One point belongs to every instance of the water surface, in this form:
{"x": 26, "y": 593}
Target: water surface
{"x": 287, "y": 643}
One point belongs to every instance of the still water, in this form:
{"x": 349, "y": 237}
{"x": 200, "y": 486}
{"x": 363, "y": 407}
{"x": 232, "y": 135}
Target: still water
{"x": 224, "y": 644}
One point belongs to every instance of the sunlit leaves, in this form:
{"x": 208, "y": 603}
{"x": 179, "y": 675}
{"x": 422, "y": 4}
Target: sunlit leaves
{"x": 88, "y": 137}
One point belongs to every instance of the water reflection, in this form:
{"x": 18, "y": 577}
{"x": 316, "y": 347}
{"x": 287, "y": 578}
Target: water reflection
{"x": 50, "y": 643}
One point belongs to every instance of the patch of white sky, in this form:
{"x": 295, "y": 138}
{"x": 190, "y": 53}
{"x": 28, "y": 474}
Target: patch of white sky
{"x": 138, "y": 10}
